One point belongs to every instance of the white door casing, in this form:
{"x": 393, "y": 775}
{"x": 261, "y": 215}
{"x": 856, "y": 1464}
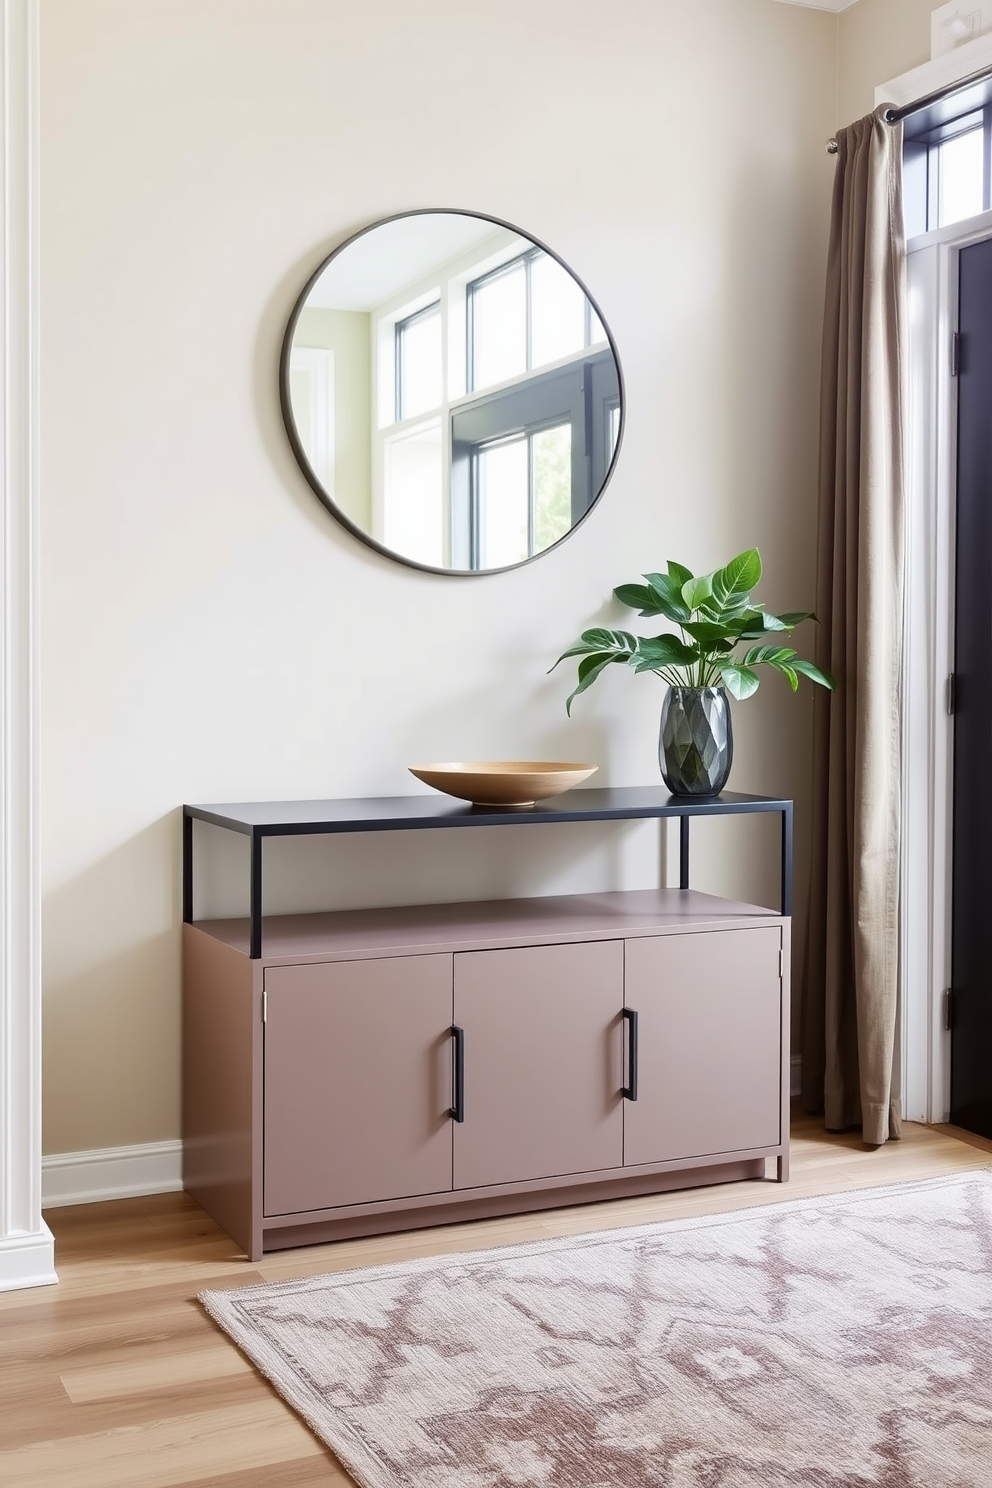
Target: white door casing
{"x": 927, "y": 794}
{"x": 928, "y": 728}
{"x": 26, "y": 1245}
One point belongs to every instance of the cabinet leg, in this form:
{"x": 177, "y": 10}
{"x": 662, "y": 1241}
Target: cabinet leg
{"x": 782, "y": 1164}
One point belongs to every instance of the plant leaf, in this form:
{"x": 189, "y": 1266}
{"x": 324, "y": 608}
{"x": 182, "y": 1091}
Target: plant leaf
{"x": 696, "y": 592}
{"x": 740, "y": 680}
{"x": 770, "y": 655}
{"x": 620, "y": 644}
{"x": 710, "y": 634}
{"x": 753, "y": 624}
{"x": 639, "y": 597}
{"x": 807, "y": 669}
{"x": 789, "y": 672}
{"x": 732, "y": 585}
{"x": 664, "y": 650}
{"x": 742, "y": 574}
{"x": 589, "y": 669}
{"x": 792, "y": 618}
{"x": 679, "y": 574}
{"x": 668, "y": 597}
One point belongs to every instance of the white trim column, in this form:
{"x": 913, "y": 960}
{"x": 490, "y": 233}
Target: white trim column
{"x": 927, "y": 808}
{"x": 26, "y": 1248}
{"x": 928, "y": 787}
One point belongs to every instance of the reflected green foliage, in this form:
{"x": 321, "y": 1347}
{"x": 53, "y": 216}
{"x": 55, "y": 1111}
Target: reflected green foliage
{"x": 552, "y": 485}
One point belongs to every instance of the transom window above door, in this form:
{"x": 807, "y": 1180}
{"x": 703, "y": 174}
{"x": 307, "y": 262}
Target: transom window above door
{"x": 948, "y": 163}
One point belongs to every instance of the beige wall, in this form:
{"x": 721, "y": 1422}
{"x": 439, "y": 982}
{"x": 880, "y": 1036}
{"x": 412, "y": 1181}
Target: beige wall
{"x": 209, "y": 632}
{"x": 879, "y": 40}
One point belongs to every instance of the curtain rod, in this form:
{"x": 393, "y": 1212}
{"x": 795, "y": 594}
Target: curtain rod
{"x": 896, "y": 115}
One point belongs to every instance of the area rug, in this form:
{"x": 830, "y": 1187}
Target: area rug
{"x": 841, "y": 1342}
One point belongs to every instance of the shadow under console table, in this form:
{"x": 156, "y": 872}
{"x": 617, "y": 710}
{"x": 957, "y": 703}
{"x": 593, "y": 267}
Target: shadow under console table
{"x": 359, "y": 1071}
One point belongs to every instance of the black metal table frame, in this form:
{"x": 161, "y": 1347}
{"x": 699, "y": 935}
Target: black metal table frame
{"x": 261, "y": 819}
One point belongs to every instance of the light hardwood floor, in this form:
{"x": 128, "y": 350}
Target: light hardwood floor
{"x": 117, "y": 1377}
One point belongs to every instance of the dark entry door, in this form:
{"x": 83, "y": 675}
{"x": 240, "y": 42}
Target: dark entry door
{"x": 971, "y": 1023}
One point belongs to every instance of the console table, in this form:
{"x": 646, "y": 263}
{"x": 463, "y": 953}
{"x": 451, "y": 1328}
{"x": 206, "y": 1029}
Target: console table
{"x": 353, "y": 1072}
{"x": 260, "y": 819}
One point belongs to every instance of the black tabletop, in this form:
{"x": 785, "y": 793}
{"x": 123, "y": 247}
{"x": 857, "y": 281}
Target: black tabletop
{"x": 392, "y": 813}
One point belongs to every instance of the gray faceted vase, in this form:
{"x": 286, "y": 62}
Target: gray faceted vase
{"x": 696, "y": 748}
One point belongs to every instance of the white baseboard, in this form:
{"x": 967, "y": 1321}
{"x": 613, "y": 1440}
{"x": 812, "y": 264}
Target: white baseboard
{"x": 27, "y": 1260}
{"x": 155, "y": 1167}
{"x": 796, "y": 1080}
{"x": 110, "y": 1173}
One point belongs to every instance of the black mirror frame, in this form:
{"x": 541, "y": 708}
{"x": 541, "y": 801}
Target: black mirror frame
{"x": 302, "y": 460}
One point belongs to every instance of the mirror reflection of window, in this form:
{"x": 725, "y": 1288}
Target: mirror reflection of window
{"x": 499, "y": 325}
{"x": 419, "y": 379}
{"x": 523, "y": 495}
{"x": 414, "y": 506}
{"x": 468, "y": 410}
{"x": 612, "y": 428}
{"x": 311, "y": 386}
{"x": 552, "y": 485}
{"x": 503, "y": 503}
{"x": 558, "y": 312}
{"x": 524, "y": 315}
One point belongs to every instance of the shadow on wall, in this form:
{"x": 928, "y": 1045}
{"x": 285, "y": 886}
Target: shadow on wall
{"x": 111, "y": 973}
{"x": 364, "y": 869}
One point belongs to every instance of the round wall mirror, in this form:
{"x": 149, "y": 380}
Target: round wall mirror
{"x": 451, "y": 392}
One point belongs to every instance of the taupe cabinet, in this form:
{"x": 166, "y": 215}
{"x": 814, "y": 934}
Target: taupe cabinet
{"x": 386, "y": 1069}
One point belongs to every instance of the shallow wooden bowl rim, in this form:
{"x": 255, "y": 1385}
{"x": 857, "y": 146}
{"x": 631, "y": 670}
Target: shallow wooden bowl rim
{"x": 485, "y": 782}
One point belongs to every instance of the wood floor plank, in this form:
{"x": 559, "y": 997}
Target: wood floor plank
{"x": 67, "y": 1420}
{"x": 164, "y": 1453}
{"x": 153, "y": 1369}
{"x": 311, "y": 1472}
{"x": 117, "y": 1376}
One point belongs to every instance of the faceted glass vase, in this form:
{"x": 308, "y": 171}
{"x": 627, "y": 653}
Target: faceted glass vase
{"x": 696, "y": 748}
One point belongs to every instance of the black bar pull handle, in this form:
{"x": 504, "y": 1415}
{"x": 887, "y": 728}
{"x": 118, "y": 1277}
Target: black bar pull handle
{"x": 458, "y": 1081}
{"x": 629, "y": 1091}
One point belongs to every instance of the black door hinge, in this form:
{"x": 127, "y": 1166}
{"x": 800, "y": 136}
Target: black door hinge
{"x": 949, "y": 1009}
{"x": 955, "y": 353}
{"x": 952, "y": 695}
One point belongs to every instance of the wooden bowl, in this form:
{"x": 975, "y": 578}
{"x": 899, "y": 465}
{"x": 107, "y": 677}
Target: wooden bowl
{"x": 503, "y": 782}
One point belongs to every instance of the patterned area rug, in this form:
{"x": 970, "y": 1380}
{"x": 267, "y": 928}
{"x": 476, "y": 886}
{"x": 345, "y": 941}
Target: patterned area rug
{"x": 841, "y": 1342}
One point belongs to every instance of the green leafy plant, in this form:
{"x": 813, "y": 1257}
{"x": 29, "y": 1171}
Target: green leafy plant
{"x": 716, "y": 616}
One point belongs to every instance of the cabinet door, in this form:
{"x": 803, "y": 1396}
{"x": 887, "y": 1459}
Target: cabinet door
{"x": 357, "y": 1082}
{"x": 542, "y": 1062}
{"x": 710, "y": 1057}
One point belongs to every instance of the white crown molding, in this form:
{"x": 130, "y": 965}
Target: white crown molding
{"x": 835, "y": 5}
{"x": 952, "y": 67}
{"x": 27, "y": 1255}
{"x": 110, "y": 1173}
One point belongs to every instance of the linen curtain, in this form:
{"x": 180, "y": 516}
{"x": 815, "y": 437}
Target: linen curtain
{"x": 851, "y": 1064}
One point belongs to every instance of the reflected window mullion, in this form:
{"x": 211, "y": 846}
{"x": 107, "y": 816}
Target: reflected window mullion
{"x": 419, "y": 375}
{"x": 529, "y": 310}
{"x": 497, "y": 313}
{"x": 530, "y": 495}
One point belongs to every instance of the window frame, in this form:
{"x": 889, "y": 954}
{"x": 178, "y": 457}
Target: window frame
{"x": 400, "y": 329}
{"x": 526, "y": 260}
{"x": 517, "y": 436}
{"x": 448, "y": 290}
{"x": 923, "y": 139}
